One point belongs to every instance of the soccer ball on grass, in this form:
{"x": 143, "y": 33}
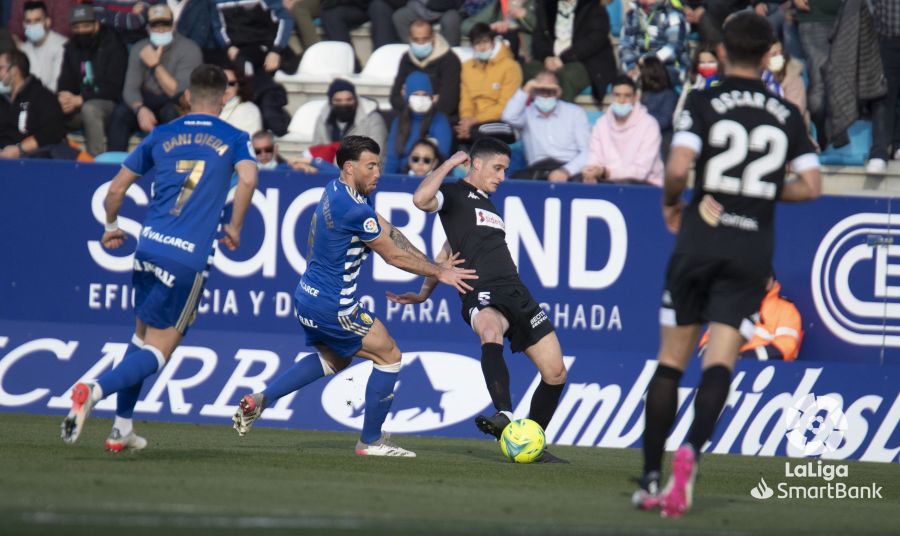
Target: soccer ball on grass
{"x": 522, "y": 441}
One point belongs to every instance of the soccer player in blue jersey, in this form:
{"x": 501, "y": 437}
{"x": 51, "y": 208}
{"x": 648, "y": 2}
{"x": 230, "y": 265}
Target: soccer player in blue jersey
{"x": 194, "y": 158}
{"x": 344, "y": 229}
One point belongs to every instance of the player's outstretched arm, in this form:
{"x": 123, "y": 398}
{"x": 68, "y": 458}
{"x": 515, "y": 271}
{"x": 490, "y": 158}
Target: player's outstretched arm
{"x": 399, "y": 252}
{"x": 425, "y": 197}
{"x": 806, "y": 188}
{"x": 113, "y": 237}
{"x": 247, "y": 178}
{"x": 428, "y": 285}
{"x": 678, "y": 168}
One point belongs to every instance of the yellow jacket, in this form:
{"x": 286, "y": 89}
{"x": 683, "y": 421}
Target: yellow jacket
{"x": 486, "y": 87}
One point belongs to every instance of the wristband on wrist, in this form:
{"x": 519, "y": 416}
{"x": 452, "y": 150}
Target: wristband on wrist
{"x": 110, "y": 227}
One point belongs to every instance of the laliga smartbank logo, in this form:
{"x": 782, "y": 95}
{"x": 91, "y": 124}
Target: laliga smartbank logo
{"x": 815, "y": 426}
{"x": 850, "y": 276}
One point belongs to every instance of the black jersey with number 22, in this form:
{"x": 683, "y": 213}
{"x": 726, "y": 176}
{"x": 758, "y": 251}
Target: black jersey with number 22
{"x": 744, "y": 137}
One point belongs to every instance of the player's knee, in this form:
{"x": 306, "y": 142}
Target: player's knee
{"x": 555, "y": 375}
{"x": 392, "y": 355}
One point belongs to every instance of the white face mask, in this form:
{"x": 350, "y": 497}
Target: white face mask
{"x": 35, "y": 32}
{"x": 5, "y": 89}
{"x": 271, "y": 164}
{"x": 420, "y": 104}
{"x": 776, "y": 63}
{"x": 161, "y": 39}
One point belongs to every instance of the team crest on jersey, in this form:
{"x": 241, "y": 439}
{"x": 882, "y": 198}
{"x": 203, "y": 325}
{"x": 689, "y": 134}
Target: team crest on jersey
{"x": 370, "y": 225}
{"x": 685, "y": 121}
{"x": 366, "y": 318}
{"x": 489, "y": 219}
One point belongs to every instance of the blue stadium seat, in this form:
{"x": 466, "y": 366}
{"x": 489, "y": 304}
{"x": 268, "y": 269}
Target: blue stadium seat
{"x": 615, "y": 17}
{"x": 111, "y": 157}
{"x": 517, "y": 160}
{"x": 855, "y": 152}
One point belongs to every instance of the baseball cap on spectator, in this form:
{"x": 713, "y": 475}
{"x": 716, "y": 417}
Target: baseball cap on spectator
{"x": 82, "y": 13}
{"x": 159, "y": 12}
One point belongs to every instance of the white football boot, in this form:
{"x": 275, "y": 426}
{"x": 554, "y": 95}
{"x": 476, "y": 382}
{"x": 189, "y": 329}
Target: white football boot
{"x": 383, "y": 447}
{"x": 249, "y": 409}
{"x": 82, "y": 404}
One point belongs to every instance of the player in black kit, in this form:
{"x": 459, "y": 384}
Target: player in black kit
{"x": 499, "y": 304}
{"x": 742, "y": 139}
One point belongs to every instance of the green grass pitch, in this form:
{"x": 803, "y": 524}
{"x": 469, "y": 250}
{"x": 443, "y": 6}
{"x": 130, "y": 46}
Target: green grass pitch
{"x": 195, "y": 479}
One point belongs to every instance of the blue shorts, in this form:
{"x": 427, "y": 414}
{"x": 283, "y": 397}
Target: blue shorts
{"x": 166, "y": 293}
{"x": 343, "y": 334}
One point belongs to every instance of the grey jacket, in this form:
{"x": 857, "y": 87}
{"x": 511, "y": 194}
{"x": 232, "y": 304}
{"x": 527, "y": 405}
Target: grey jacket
{"x": 180, "y": 58}
{"x": 854, "y": 72}
{"x": 368, "y": 122}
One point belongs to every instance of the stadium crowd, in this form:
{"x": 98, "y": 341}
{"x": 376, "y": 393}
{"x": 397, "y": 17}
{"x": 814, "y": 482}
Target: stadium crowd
{"x": 113, "y": 69}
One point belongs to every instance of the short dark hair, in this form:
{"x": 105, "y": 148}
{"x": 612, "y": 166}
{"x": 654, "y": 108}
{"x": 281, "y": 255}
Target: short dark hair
{"x": 431, "y": 145}
{"x": 35, "y": 4}
{"x": 352, "y": 148}
{"x": 420, "y": 22}
{"x": 480, "y": 32}
{"x": 260, "y": 134}
{"x": 747, "y": 38}
{"x": 654, "y": 76}
{"x": 208, "y": 83}
{"x": 623, "y": 80}
{"x": 487, "y": 146}
{"x": 19, "y": 60}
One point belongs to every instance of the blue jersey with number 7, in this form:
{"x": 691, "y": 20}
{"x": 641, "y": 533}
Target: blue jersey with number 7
{"x": 193, "y": 159}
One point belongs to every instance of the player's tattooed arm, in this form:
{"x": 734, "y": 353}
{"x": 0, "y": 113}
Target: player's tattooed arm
{"x": 397, "y": 251}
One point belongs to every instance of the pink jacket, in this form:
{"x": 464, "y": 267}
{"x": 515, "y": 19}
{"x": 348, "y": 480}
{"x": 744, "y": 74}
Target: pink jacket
{"x": 629, "y": 150}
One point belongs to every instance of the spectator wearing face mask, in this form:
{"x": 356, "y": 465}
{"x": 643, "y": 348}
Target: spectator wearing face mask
{"x": 423, "y": 159}
{"x": 58, "y": 12}
{"x": 418, "y": 120}
{"x": 554, "y": 132}
{"x": 429, "y": 52}
{"x": 348, "y": 115}
{"x": 704, "y": 73}
{"x": 787, "y": 72}
{"x": 159, "y": 70}
{"x": 93, "y": 72}
{"x": 489, "y": 80}
{"x": 31, "y": 121}
{"x": 43, "y": 46}
{"x": 267, "y": 157}
{"x": 625, "y": 141}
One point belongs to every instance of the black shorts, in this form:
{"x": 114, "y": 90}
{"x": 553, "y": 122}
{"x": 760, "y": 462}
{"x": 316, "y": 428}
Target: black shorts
{"x": 528, "y": 323}
{"x": 712, "y": 289}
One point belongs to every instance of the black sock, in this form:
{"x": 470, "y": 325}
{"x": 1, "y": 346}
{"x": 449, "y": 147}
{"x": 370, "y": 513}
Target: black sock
{"x": 496, "y": 375}
{"x": 708, "y": 403}
{"x": 661, "y": 407}
{"x": 544, "y": 402}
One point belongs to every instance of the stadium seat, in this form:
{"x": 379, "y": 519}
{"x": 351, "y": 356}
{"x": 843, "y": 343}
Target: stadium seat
{"x": 464, "y": 53}
{"x": 304, "y": 122}
{"x": 855, "y": 152}
{"x": 111, "y": 157}
{"x": 615, "y": 17}
{"x": 382, "y": 66}
{"x": 593, "y": 116}
{"x": 323, "y": 62}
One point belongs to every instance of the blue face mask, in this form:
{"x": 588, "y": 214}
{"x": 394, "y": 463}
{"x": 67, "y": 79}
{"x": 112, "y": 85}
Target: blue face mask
{"x": 545, "y": 104}
{"x": 160, "y": 39}
{"x": 421, "y": 51}
{"x": 621, "y": 109}
{"x": 483, "y": 55}
{"x": 35, "y": 32}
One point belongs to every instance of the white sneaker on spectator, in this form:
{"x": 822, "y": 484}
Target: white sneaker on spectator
{"x": 876, "y": 166}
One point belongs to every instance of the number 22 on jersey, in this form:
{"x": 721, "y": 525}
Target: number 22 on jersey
{"x": 737, "y": 142}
